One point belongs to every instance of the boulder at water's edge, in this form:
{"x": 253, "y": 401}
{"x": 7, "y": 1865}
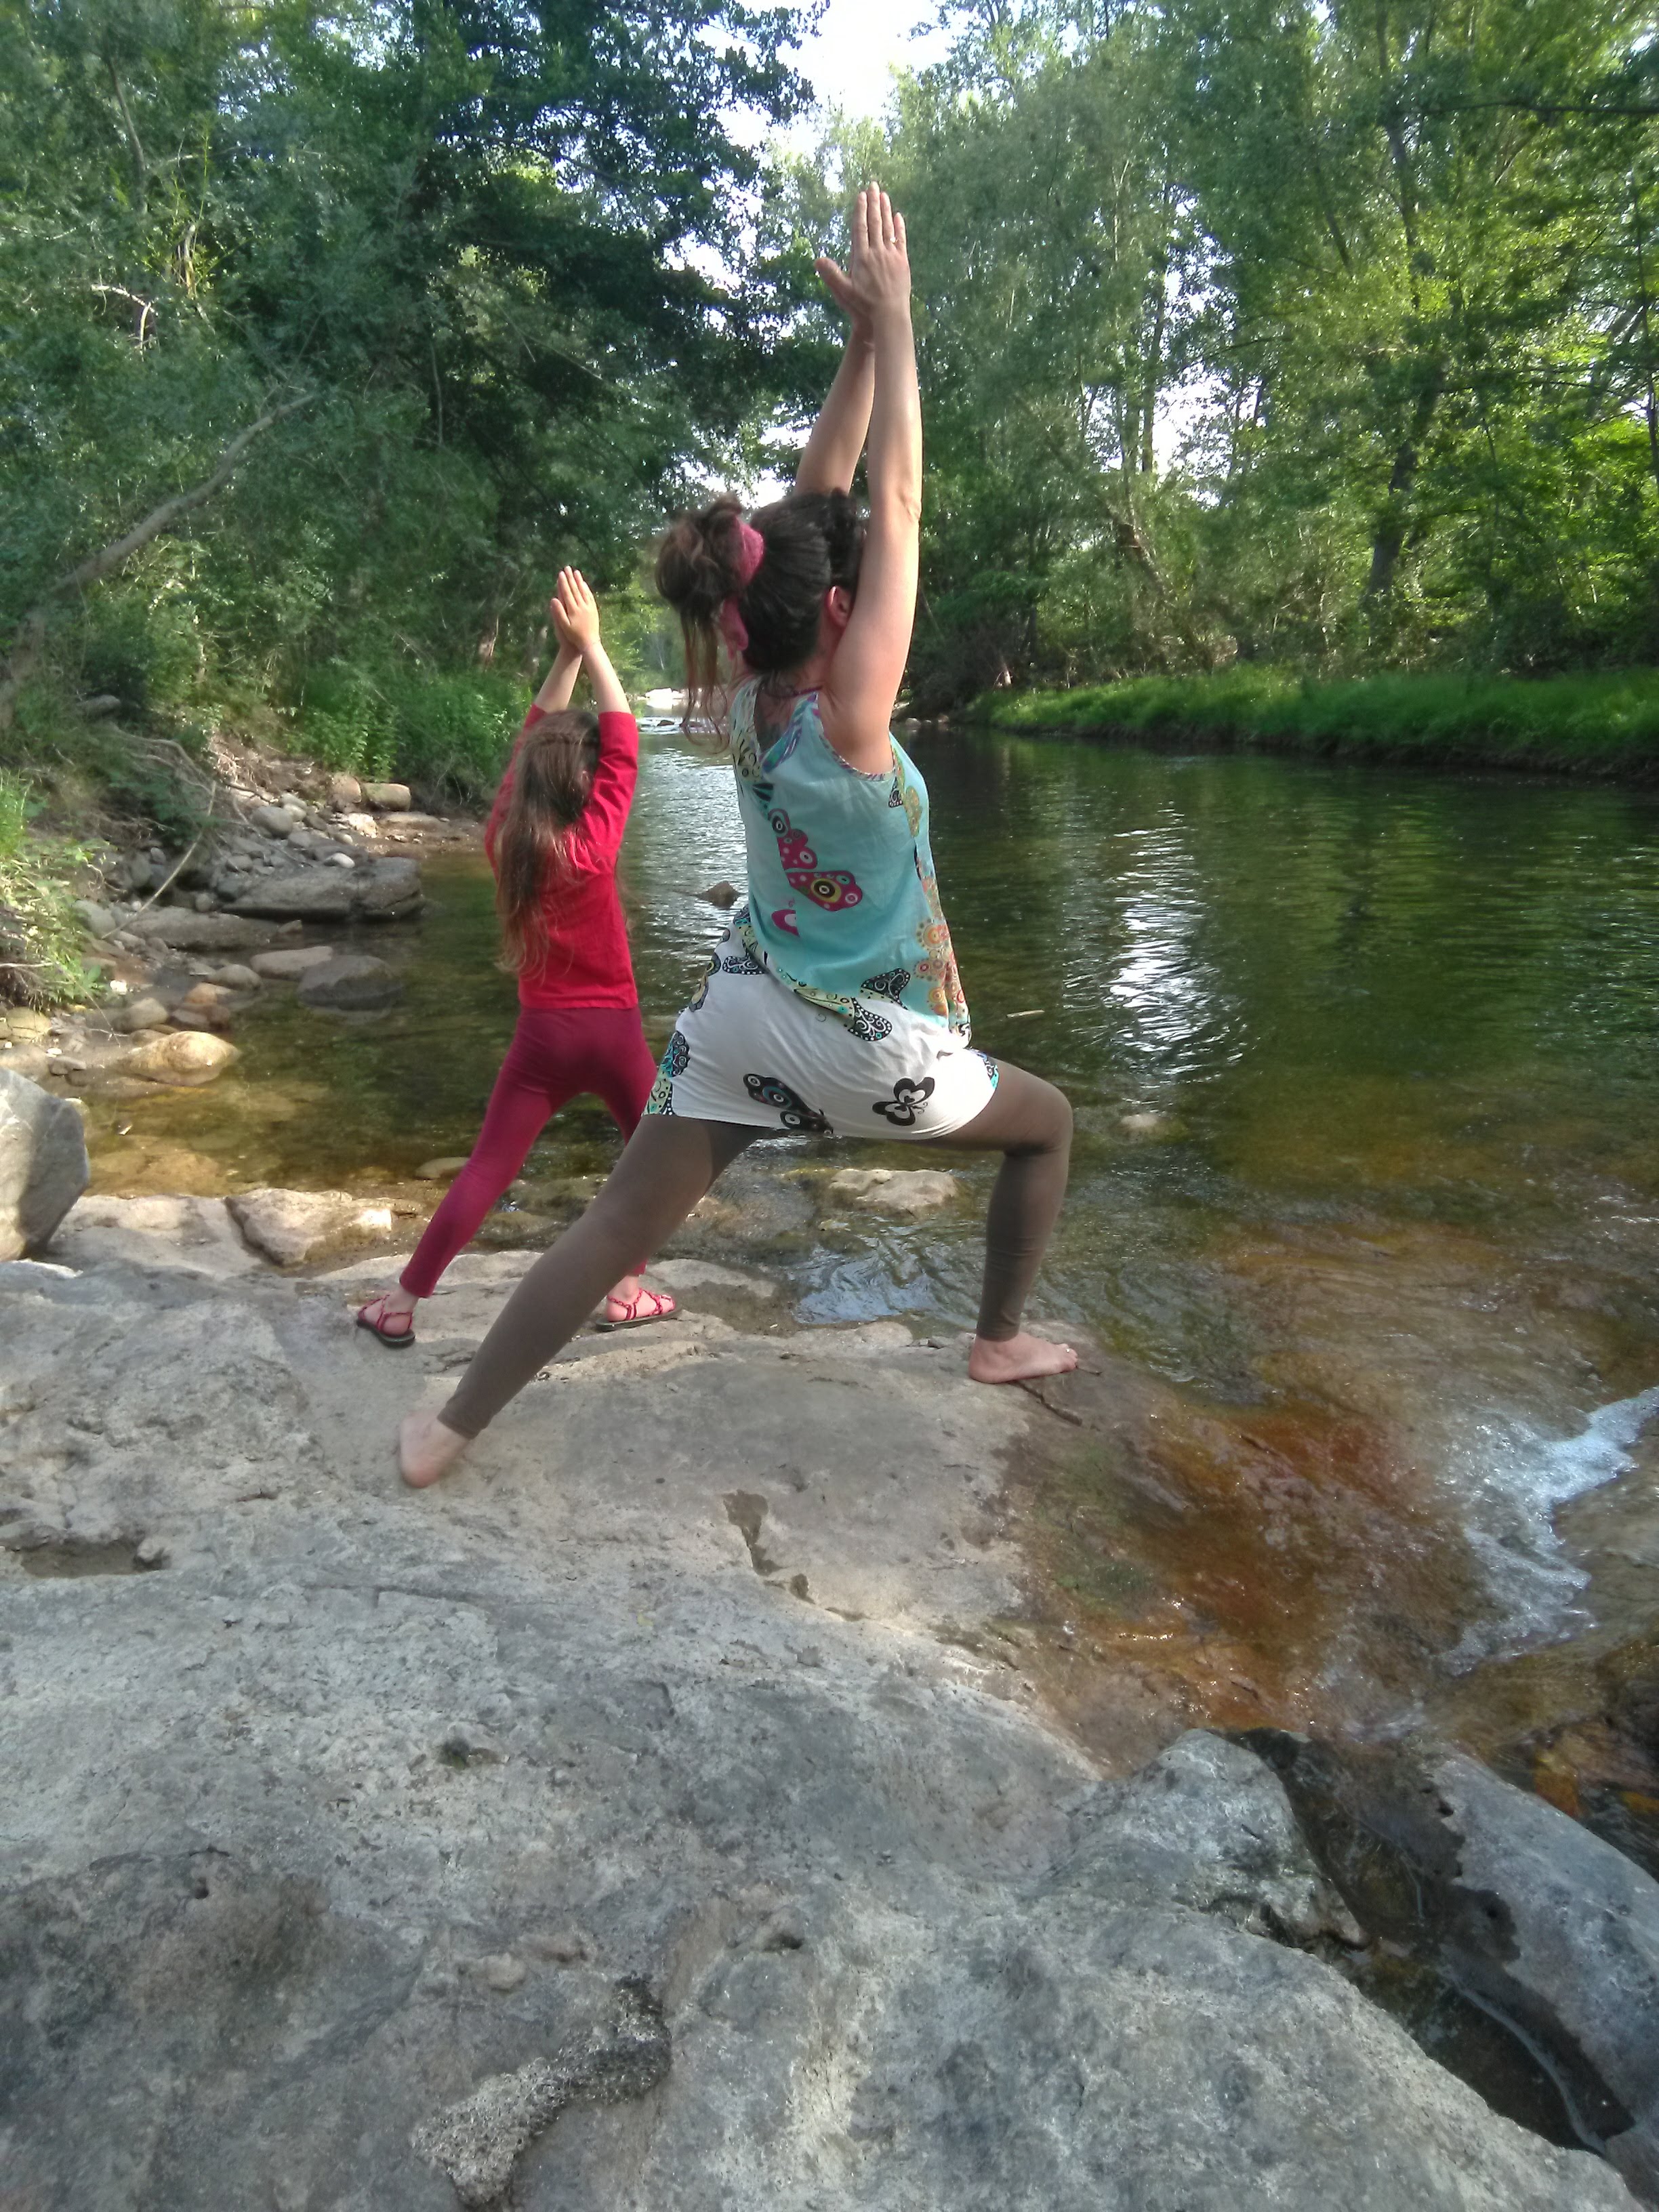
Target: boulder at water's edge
{"x": 43, "y": 1163}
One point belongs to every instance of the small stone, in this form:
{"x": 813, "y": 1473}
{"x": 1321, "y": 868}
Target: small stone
{"x": 339, "y": 860}
{"x": 146, "y": 1012}
{"x": 466, "y": 1744}
{"x": 293, "y": 961}
{"x": 345, "y": 790}
{"x": 152, "y": 1553}
{"x": 502, "y": 1972}
{"x": 98, "y": 919}
{"x": 389, "y": 798}
{"x": 783, "y": 1930}
{"x": 560, "y": 1947}
{"x": 235, "y": 977}
{"x": 204, "y": 902}
{"x": 206, "y": 996}
{"x": 272, "y": 820}
{"x": 721, "y": 893}
{"x": 441, "y": 1170}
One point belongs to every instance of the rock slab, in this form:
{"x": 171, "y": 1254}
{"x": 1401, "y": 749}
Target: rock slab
{"x": 43, "y": 1163}
{"x": 769, "y": 1905}
{"x": 290, "y": 1226}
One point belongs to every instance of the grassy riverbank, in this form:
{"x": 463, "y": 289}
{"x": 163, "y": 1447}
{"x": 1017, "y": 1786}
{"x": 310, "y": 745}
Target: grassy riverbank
{"x": 1597, "y": 725}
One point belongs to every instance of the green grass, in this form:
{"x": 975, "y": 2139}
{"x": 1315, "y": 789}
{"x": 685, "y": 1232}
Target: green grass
{"x": 1603, "y": 726}
{"x": 41, "y": 935}
{"x": 444, "y": 734}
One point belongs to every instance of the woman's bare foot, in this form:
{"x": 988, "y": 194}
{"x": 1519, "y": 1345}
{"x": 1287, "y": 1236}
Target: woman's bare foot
{"x": 1017, "y": 1359}
{"x": 427, "y": 1450}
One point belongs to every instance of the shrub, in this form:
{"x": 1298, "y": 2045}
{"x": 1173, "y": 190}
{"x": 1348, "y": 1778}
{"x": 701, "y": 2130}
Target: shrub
{"x": 40, "y": 933}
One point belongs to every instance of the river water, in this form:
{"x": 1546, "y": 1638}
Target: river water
{"x": 1366, "y": 1193}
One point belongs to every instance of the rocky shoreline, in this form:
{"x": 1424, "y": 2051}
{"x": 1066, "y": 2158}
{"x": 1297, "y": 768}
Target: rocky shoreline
{"x": 185, "y": 944}
{"x": 662, "y": 1812}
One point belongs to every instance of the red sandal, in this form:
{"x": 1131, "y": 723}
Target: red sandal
{"x": 662, "y": 1307}
{"x": 377, "y": 1321}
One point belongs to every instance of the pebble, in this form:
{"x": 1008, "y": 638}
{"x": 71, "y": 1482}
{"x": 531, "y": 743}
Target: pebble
{"x": 152, "y": 1553}
{"x": 501, "y": 1970}
{"x": 339, "y": 860}
{"x": 235, "y": 977}
{"x": 721, "y": 893}
{"x": 468, "y": 1745}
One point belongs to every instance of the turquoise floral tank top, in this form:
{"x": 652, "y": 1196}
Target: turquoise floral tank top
{"x": 843, "y": 907}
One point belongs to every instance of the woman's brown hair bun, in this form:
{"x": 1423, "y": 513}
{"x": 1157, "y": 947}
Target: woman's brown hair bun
{"x": 814, "y": 540}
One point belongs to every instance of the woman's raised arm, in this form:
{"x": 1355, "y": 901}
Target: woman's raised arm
{"x": 856, "y": 701}
{"x": 832, "y": 452}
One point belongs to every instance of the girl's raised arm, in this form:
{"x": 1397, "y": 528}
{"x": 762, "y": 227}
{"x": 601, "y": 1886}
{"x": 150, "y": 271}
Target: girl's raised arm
{"x": 856, "y": 701}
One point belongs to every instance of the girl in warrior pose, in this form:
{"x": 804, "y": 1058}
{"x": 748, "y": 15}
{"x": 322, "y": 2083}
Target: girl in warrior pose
{"x": 832, "y": 1006}
{"x": 553, "y": 838}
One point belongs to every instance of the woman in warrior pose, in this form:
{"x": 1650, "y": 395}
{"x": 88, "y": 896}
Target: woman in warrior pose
{"x": 832, "y": 1006}
{"x": 553, "y": 838}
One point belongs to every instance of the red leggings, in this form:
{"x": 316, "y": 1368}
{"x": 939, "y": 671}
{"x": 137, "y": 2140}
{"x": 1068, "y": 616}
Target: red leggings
{"x": 557, "y": 1053}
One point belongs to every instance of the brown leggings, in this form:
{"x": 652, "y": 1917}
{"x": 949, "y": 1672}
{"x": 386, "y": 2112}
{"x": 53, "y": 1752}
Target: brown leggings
{"x": 670, "y": 1164}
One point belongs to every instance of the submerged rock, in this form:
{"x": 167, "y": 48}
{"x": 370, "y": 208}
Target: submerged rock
{"x": 185, "y": 1058}
{"x": 290, "y": 1226}
{"x": 893, "y": 1190}
{"x": 43, "y": 1163}
{"x": 292, "y": 961}
{"x": 351, "y": 982}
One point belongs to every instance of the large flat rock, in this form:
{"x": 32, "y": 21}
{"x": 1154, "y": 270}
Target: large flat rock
{"x": 625, "y": 1821}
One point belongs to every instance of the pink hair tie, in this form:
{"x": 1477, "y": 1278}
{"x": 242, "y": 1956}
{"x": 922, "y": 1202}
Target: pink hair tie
{"x": 751, "y": 552}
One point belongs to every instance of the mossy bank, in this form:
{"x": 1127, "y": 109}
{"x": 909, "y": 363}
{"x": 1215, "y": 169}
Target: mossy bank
{"x": 1602, "y": 725}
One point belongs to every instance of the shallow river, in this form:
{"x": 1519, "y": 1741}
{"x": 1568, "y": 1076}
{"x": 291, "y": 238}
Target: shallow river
{"x": 1366, "y": 1187}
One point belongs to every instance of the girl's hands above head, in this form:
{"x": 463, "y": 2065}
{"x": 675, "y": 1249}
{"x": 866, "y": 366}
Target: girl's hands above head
{"x": 876, "y": 284}
{"x": 575, "y": 611}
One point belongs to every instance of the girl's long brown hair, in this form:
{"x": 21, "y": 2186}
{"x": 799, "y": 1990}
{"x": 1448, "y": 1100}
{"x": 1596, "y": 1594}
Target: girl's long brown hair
{"x": 552, "y": 778}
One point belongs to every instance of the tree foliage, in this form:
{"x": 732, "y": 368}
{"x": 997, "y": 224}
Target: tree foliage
{"x": 1310, "y": 330}
{"x": 447, "y": 260}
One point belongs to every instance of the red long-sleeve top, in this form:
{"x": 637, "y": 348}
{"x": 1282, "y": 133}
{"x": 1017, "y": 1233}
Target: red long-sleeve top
{"x": 588, "y": 961}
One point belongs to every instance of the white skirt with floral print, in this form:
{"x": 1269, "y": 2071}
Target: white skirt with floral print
{"x": 748, "y": 1049}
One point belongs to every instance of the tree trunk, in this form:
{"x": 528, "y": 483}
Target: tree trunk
{"x": 1389, "y": 540}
